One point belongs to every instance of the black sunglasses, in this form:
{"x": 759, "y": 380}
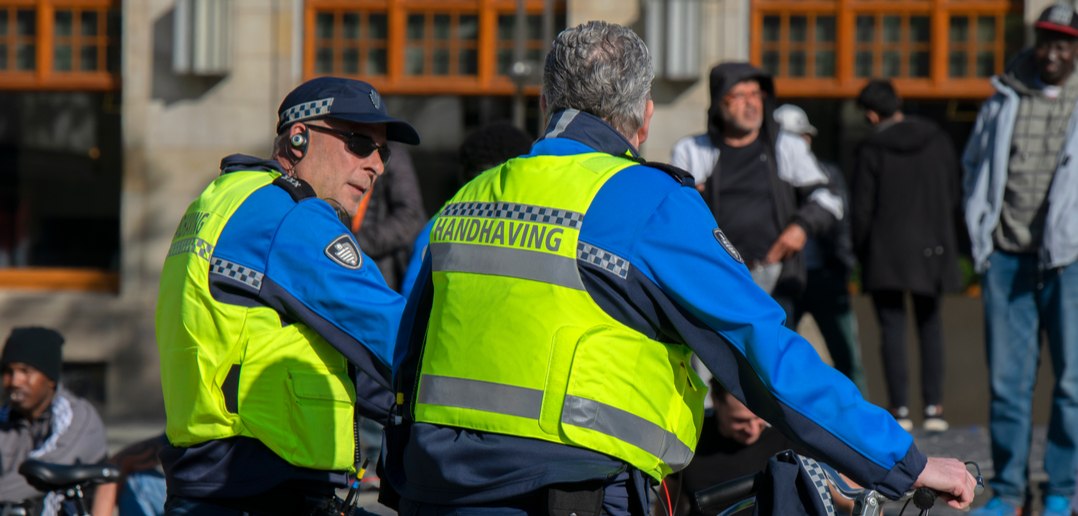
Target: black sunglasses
{"x": 359, "y": 144}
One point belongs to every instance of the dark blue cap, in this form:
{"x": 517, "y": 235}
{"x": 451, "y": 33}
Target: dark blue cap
{"x": 342, "y": 99}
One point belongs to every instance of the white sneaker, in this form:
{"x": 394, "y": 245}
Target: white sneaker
{"x": 902, "y": 416}
{"x": 934, "y": 421}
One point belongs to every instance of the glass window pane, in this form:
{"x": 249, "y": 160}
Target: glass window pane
{"x": 3, "y": 57}
{"x": 350, "y": 26}
{"x": 61, "y": 58}
{"x": 798, "y": 28}
{"x": 505, "y": 27}
{"x": 469, "y": 62}
{"x": 986, "y": 29}
{"x": 376, "y": 62}
{"x": 534, "y": 25}
{"x": 919, "y": 64}
{"x": 866, "y": 29}
{"x": 505, "y": 60}
{"x": 62, "y": 19}
{"x": 468, "y": 27}
{"x": 323, "y": 25}
{"x": 112, "y": 58}
{"x": 413, "y": 61}
{"x": 441, "y": 26}
{"x": 376, "y": 26}
{"x": 114, "y": 23}
{"x": 771, "y": 62}
{"x": 956, "y": 64}
{"x": 350, "y": 61}
{"x": 88, "y": 25}
{"x": 919, "y": 29}
{"x": 25, "y": 55}
{"x": 825, "y": 63}
{"x": 323, "y": 60}
{"x": 892, "y": 29}
{"x": 415, "y": 26}
{"x": 771, "y": 28}
{"x": 795, "y": 67}
{"x": 25, "y": 22}
{"x": 892, "y": 64}
{"x": 986, "y": 64}
{"x": 959, "y": 30}
{"x": 825, "y": 29}
{"x": 863, "y": 64}
{"x": 441, "y": 61}
{"x": 3, "y": 22}
{"x": 88, "y": 58}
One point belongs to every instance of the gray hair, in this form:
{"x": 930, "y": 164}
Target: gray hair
{"x": 603, "y": 69}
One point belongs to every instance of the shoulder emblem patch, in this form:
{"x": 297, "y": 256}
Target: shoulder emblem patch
{"x": 729, "y": 246}
{"x": 345, "y": 252}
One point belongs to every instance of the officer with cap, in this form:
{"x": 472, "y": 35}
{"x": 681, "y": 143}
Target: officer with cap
{"x": 40, "y": 419}
{"x": 275, "y": 330}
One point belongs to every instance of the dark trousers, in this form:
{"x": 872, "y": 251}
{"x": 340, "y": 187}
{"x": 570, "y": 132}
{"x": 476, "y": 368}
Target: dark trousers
{"x": 891, "y": 315}
{"x": 827, "y": 298}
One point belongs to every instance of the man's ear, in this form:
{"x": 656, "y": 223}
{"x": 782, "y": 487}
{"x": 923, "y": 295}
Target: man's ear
{"x": 298, "y": 139}
{"x": 642, "y": 132}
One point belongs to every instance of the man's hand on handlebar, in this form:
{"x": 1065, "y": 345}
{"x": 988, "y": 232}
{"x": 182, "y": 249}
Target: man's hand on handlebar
{"x": 951, "y": 479}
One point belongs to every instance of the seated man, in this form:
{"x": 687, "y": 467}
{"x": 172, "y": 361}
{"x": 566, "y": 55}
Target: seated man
{"x": 39, "y": 419}
{"x": 734, "y": 443}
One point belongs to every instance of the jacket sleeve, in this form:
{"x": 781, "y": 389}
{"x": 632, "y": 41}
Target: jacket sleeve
{"x": 302, "y": 251}
{"x": 736, "y": 330}
{"x": 863, "y": 197}
{"x": 818, "y": 208}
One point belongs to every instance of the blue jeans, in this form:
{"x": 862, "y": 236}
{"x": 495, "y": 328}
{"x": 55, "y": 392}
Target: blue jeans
{"x": 1020, "y": 302}
{"x": 143, "y": 494}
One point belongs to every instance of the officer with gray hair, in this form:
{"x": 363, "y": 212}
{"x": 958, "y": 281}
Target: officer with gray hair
{"x": 547, "y": 369}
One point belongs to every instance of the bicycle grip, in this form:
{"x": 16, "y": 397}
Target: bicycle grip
{"x": 718, "y": 497}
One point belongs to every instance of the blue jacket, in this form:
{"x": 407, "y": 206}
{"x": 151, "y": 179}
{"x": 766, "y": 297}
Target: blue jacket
{"x": 686, "y": 285}
{"x": 986, "y": 160}
{"x": 283, "y": 232}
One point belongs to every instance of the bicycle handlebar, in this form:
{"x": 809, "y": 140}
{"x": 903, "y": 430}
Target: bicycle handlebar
{"x": 712, "y": 499}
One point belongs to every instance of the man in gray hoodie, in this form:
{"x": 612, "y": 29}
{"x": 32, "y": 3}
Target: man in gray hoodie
{"x": 1021, "y": 202}
{"x": 39, "y": 419}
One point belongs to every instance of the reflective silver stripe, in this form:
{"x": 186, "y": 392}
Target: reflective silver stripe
{"x": 563, "y": 122}
{"x": 195, "y": 245}
{"x": 627, "y": 427}
{"x": 504, "y": 261}
{"x": 515, "y": 211}
{"x": 475, "y": 394}
{"x": 523, "y": 402}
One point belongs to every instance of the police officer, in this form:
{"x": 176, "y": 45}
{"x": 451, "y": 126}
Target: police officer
{"x": 548, "y": 368}
{"x": 273, "y": 326}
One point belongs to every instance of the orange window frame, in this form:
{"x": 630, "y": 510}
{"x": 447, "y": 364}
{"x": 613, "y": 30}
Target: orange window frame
{"x": 846, "y": 83}
{"x": 43, "y": 76}
{"x": 396, "y": 80}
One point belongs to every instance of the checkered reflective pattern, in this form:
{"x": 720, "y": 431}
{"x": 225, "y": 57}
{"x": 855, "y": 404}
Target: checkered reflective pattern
{"x": 508, "y": 210}
{"x": 819, "y": 479}
{"x": 195, "y": 245}
{"x": 237, "y": 272}
{"x": 306, "y": 110}
{"x": 603, "y": 259}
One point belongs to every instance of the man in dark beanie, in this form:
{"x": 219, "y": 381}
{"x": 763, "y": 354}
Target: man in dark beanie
{"x": 39, "y": 419}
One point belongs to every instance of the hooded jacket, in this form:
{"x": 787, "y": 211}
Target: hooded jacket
{"x": 798, "y": 185}
{"x": 986, "y": 161}
{"x": 905, "y": 205}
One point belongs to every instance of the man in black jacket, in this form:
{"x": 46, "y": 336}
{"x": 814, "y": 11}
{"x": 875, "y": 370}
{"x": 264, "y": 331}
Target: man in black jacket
{"x": 905, "y": 199}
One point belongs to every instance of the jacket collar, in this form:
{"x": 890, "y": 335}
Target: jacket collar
{"x": 589, "y": 130}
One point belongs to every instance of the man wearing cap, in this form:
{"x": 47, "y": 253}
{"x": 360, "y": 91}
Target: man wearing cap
{"x": 39, "y": 418}
{"x": 1021, "y": 179}
{"x": 763, "y": 186}
{"x": 275, "y": 330}
{"x": 829, "y": 261}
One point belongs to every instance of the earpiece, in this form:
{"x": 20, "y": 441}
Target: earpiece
{"x": 298, "y": 141}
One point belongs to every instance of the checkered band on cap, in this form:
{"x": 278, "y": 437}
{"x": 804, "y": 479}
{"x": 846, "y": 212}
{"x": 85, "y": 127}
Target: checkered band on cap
{"x": 312, "y": 109}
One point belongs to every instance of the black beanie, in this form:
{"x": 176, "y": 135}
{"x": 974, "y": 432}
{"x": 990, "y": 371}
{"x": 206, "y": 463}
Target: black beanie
{"x": 36, "y": 347}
